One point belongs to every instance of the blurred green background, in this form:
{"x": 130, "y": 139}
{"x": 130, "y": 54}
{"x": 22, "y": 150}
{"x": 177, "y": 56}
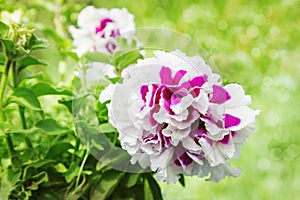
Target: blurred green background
{"x": 254, "y": 43}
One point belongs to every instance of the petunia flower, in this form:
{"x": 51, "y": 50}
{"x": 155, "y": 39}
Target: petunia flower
{"x": 174, "y": 115}
{"x": 97, "y": 31}
{"x": 98, "y": 28}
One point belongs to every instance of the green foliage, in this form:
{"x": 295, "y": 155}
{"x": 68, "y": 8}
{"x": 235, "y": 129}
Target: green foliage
{"x": 42, "y": 88}
{"x": 108, "y": 182}
{"x": 25, "y": 97}
{"x": 28, "y": 61}
{"x": 152, "y": 189}
{"x": 252, "y": 43}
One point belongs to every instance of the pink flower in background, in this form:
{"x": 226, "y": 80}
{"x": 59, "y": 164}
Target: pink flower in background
{"x": 174, "y": 116}
{"x": 98, "y": 28}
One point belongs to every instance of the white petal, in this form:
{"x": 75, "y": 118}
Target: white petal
{"x": 183, "y": 105}
{"x": 221, "y": 171}
{"x": 240, "y": 138}
{"x": 246, "y": 114}
{"x": 107, "y": 93}
{"x": 201, "y": 102}
{"x": 170, "y": 174}
{"x": 237, "y": 94}
{"x": 191, "y": 145}
{"x": 161, "y": 160}
{"x": 217, "y": 153}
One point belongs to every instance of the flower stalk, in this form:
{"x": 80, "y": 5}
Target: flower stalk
{"x": 21, "y": 109}
{"x": 2, "y": 89}
{"x": 2, "y": 114}
{"x": 86, "y": 155}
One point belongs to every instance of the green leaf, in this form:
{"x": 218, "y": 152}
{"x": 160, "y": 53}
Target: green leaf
{"x": 131, "y": 180}
{"x": 50, "y": 127}
{"x": 152, "y": 189}
{"x": 87, "y": 129}
{"x": 122, "y": 42}
{"x": 96, "y": 145}
{"x": 181, "y": 180}
{"x": 74, "y": 102}
{"x": 58, "y": 149}
{"x": 108, "y": 182}
{"x": 41, "y": 89}
{"x": 72, "y": 55}
{"x": 72, "y": 172}
{"x": 102, "y": 112}
{"x": 2, "y": 59}
{"x": 25, "y": 97}
{"x": 4, "y": 29}
{"x": 40, "y": 163}
{"x": 26, "y": 74}
{"x": 9, "y": 45}
{"x": 36, "y": 43}
{"x": 27, "y": 61}
{"x": 126, "y": 59}
{"x": 27, "y": 154}
{"x": 107, "y": 128}
{"x": 97, "y": 57}
{"x": 60, "y": 168}
{"x": 112, "y": 158}
{"x": 9, "y": 178}
{"x": 67, "y": 103}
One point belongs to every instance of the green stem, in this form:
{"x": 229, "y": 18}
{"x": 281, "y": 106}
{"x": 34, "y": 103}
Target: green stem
{"x": 2, "y": 115}
{"x": 86, "y": 155}
{"x": 9, "y": 144}
{"x": 76, "y": 149}
{"x": 20, "y": 108}
{"x": 14, "y": 74}
{"x": 23, "y": 120}
{"x": 2, "y": 89}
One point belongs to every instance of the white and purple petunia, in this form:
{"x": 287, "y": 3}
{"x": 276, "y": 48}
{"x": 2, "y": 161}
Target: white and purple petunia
{"x": 98, "y": 28}
{"x": 97, "y": 31}
{"x": 174, "y": 115}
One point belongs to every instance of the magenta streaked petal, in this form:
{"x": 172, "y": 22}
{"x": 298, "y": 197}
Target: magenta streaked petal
{"x": 152, "y": 100}
{"x": 166, "y": 96}
{"x": 208, "y": 141}
{"x": 166, "y": 75}
{"x": 103, "y": 24}
{"x": 220, "y": 95}
{"x": 110, "y": 47}
{"x": 196, "y": 157}
{"x": 231, "y": 121}
{"x": 177, "y": 96}
{"x": 183, "y": 160}
{"x": 201, "y": 132}
{"x": 225, "y": 140}
{"x": 144, "y": 89}
{"x": 198, "y": 81}
{"x": 178, "y": 76}
{"x": 115, "y": 33}
{"x": 195, "y": 91}
{"x": 186, "y": 85}
{"x": 167, "y": 142}
{"x": 233, "y": 133}
{"x": 157, "y": 94}
{"x": 155, "y": 109}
